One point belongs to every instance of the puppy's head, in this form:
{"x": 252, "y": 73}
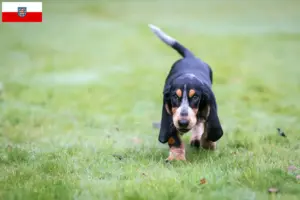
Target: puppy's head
{"x": 185, "y": 98}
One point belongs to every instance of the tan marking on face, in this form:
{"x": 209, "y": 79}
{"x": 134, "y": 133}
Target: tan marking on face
{"x": 195, "y": 110}
{"x": 171, "y": 141}
{"x": 179, "y": 92}
{"x": 174, "y": 109}
{"x": 191, "y": 92}
{"x": 167, "y": 109}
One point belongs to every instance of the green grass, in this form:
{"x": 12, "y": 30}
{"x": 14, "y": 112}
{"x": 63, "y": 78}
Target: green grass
{"x": 81, "y": 90}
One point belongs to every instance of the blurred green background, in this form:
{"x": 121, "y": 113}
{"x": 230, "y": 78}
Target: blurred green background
{"x": 80, "y": 92}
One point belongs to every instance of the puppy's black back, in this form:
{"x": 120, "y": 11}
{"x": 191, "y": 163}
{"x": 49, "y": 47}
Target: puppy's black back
{"x": 193, "y": 66}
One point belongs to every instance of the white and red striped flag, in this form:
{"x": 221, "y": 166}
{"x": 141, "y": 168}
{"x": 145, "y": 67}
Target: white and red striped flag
{"x": 22, "y": 12}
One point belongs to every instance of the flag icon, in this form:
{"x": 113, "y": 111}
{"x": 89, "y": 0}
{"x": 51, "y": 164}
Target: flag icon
{"x": 22, "y": 12}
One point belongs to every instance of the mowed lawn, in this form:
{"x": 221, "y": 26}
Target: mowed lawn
{"x": 79, "y": 93}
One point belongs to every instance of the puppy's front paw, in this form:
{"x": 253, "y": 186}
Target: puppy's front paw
{"x": 195, "y": 143}
{"x": 176, "y": 154}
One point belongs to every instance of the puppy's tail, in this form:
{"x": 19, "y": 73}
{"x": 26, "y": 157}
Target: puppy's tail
{"x": 171, "y": 41}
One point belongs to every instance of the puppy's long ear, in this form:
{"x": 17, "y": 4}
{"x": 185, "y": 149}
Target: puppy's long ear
{"x": 214, "y": 128}
{"x": 205, "y": 103}
{"x": 166, "y": 119}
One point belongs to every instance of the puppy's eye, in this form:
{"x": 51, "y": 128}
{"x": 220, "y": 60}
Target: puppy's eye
{"x": 175, "y": 97}
{"x": 195, "y": 98}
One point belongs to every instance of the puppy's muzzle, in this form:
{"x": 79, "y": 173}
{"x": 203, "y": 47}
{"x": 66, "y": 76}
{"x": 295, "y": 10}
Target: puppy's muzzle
{"x": 183, "y": 121}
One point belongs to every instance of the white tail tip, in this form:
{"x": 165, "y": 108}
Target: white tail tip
{"x": 163, "y": 36}
{"x": 153, "y": 28}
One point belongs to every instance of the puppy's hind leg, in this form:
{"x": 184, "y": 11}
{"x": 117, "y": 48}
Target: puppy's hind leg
{"x": 205, "y": 143}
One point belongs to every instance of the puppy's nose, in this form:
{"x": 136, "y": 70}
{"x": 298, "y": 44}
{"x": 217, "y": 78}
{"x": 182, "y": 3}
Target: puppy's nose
{"x": 183, "y": 123}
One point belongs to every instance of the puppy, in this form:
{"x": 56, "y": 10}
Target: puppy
{"x": 189, "y": 103}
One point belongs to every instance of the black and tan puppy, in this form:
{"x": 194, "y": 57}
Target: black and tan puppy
{"x": 188, "y": 102}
